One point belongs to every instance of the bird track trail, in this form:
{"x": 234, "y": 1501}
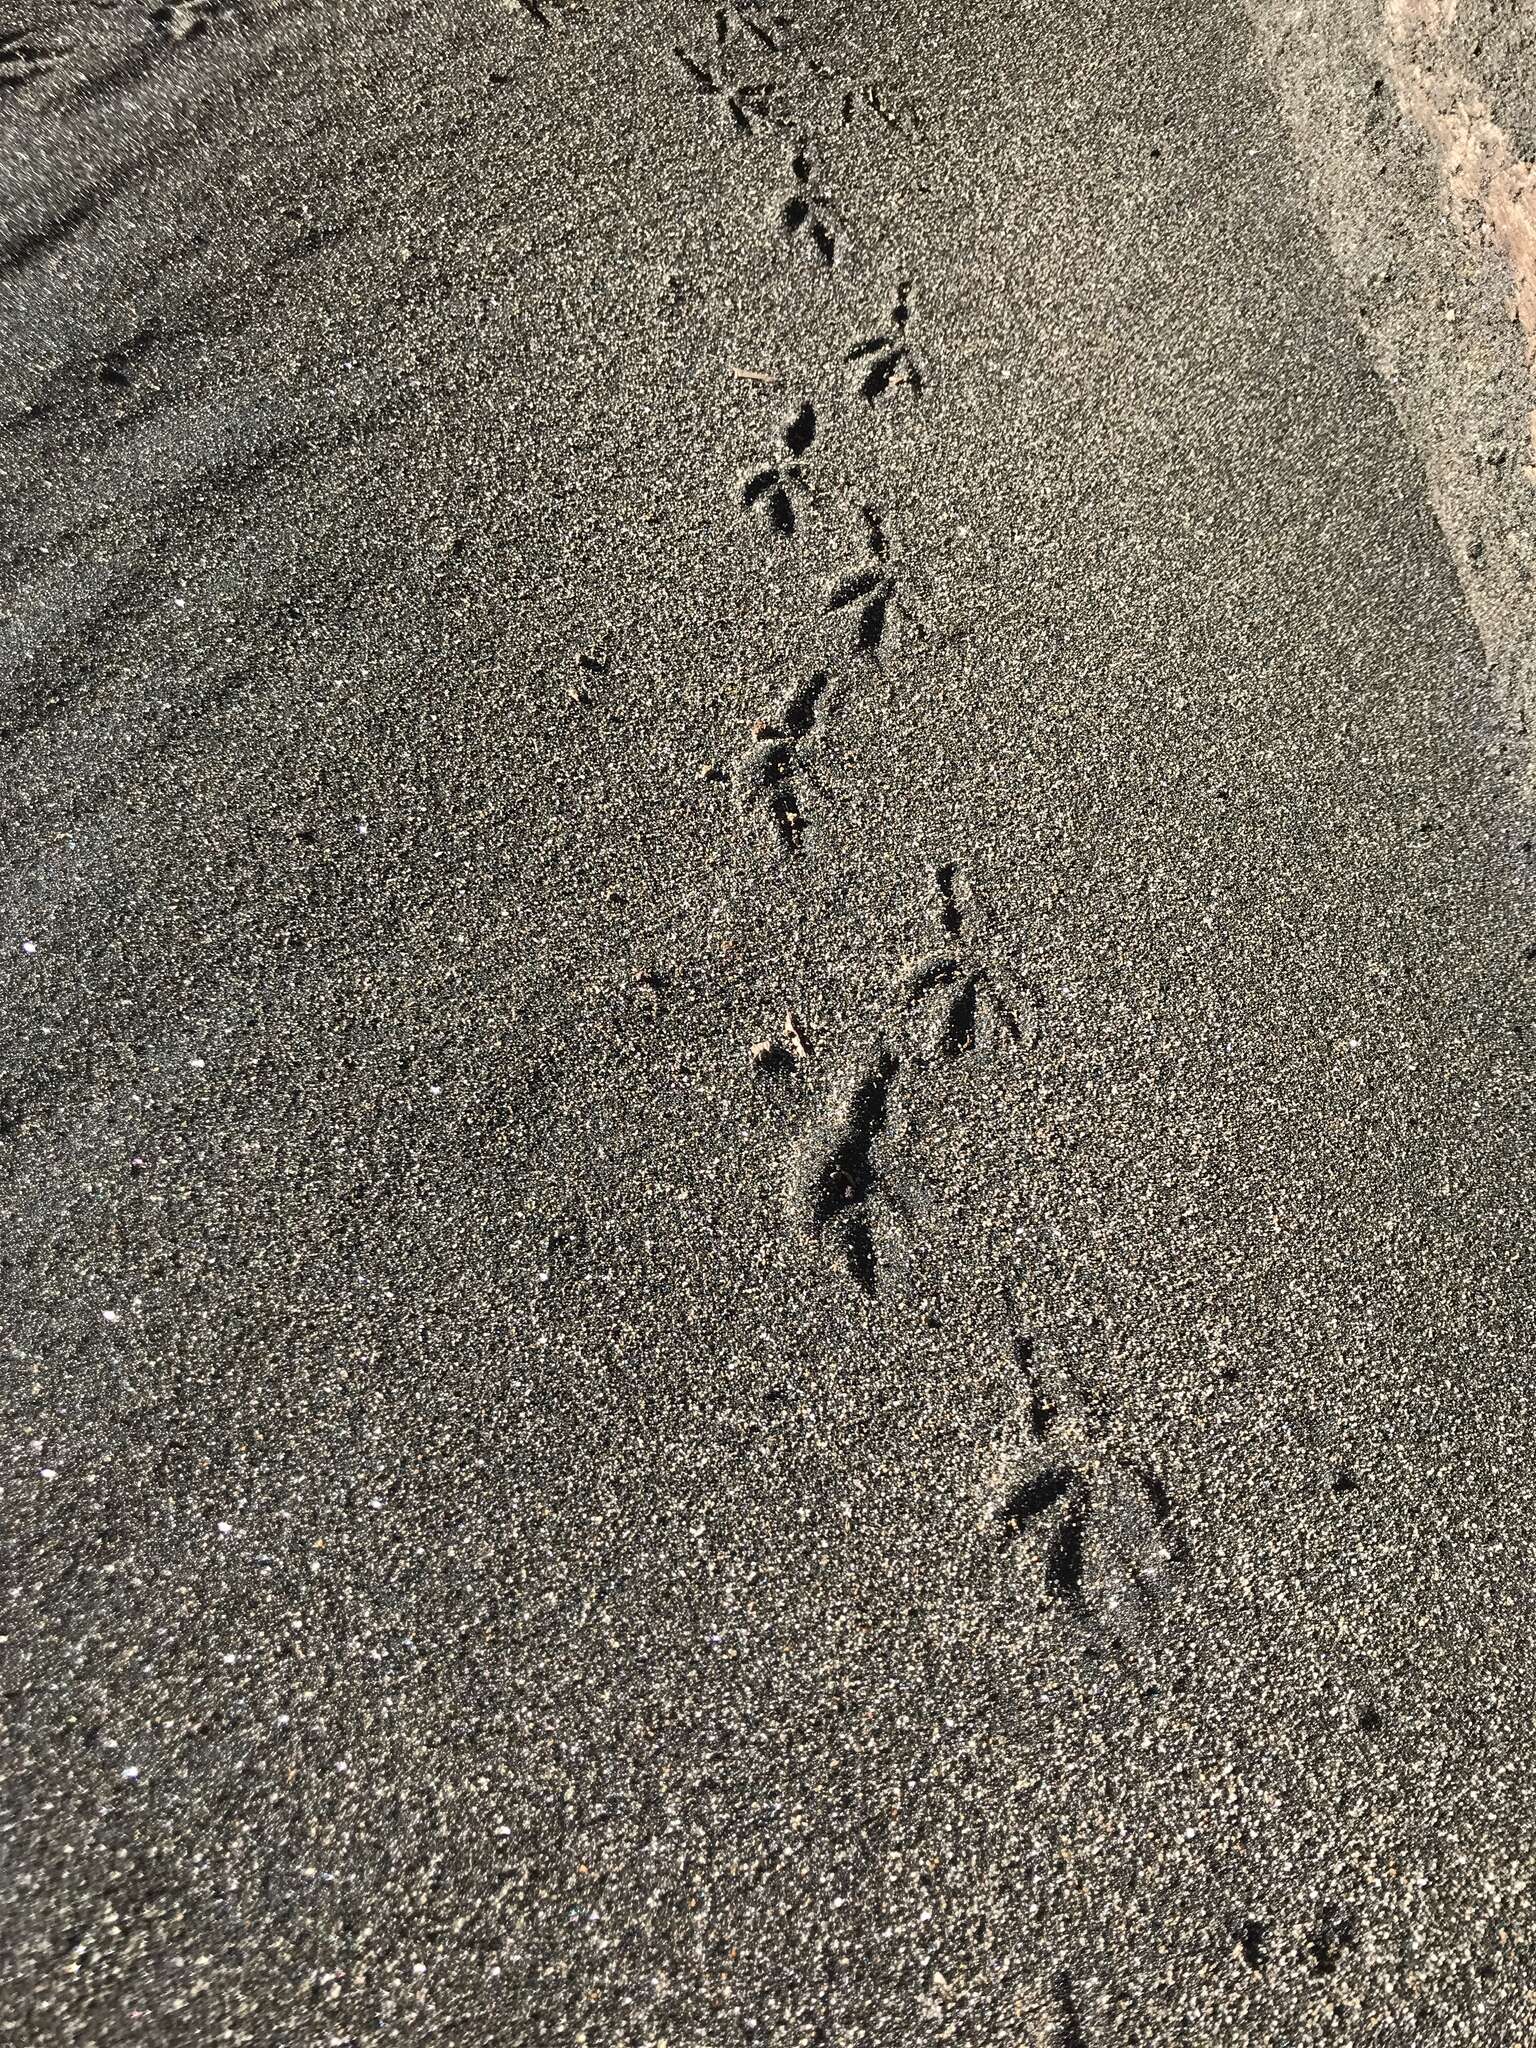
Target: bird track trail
{"x": 1089, "y": 1536}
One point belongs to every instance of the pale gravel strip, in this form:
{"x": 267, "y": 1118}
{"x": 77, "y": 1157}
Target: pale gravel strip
{"x": 1412, "y": 122}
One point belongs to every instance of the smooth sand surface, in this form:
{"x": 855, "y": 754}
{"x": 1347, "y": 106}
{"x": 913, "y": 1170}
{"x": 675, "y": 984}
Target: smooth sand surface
{"x": 767, "y": 1229}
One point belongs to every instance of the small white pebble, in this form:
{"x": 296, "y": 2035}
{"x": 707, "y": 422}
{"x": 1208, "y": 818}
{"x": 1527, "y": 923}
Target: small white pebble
{"x": 130, "y": 1770}
{"x": 29, "y": 945}
{"x": 49, "y": 1473}
{"x": 110, "y": 1315}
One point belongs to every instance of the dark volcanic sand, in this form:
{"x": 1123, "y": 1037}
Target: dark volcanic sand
{"x": 1007, "y": 1520}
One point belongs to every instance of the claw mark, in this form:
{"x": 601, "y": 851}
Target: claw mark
{"x": 763, "y": 783}
{"x": 774, "y": 487}
{"x": 1108, "y": 1513}
{"x": 763, "y": 778}
{"x": 770, "y": 488}
{"x": 953, "y": 988}
{"x": 888, "y": 355}
{"x": 840, "y": 1181}
{"x": 959, "y": 1032}
{"x": 1156, "y": 1490}
{"x": 953, "y": 992}
{"x": 801, "y": 431}
{"x": 944, "y": 880}
{"x": 745, "y": 103}
{"x": 805, "y": 214}
{"x": 902, "y": 116}
{"x": 25, "y": 56}
{"x": 1036, "y": 1496}
{"x": 1253, "y": 1941}
{"x": 871, "y": 590}
{"x": 799, "y": 712}
{"x": 767, "y": 30}
{"x": 933, "y": 971}
{"x": 181, "y": 20}
{"x": 598, "y": 658}
{"x": 1042, "y": 1411}
{"x": 779, "y": 1055}
{"x": 1069, "y": 2028}
{"x": 1335, "y": 1931}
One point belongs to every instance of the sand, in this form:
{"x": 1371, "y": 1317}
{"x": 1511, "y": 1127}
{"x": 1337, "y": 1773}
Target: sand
{"x": 1415, "y": 126}
{"x": 768, "y": 1079}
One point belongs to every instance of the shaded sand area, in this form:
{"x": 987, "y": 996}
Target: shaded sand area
{"x": 767, "y": 1079}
